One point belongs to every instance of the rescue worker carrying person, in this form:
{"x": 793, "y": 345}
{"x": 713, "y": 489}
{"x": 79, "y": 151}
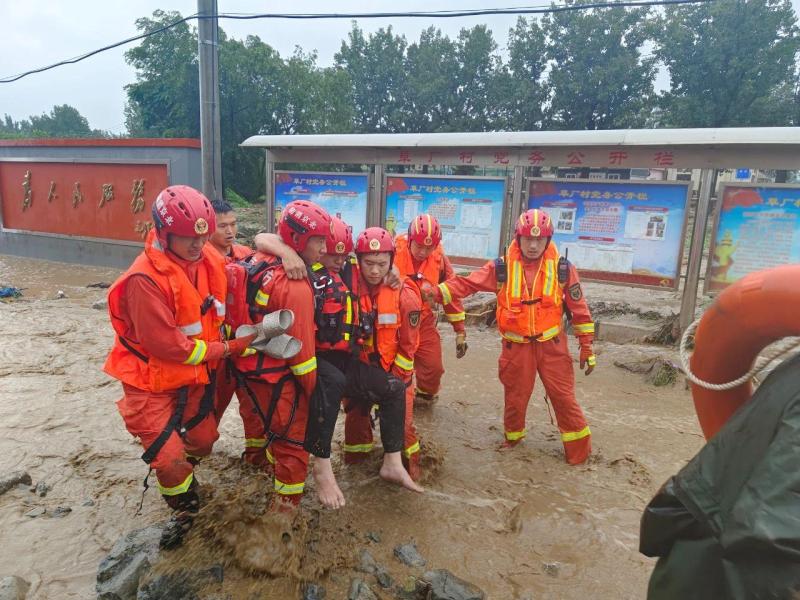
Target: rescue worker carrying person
{"x": 390, "y": 322}
{"x": 280, "y": 389}
{"x": 535, "y": 287}
{"x": 166, "y": 311}
{"x": 336, "y": 284}
{"x": 420, "y": 257}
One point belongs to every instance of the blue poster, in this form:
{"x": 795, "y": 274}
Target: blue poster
{"x": 757, "y": 228}
{"x": 470, "y": 211}
{"x": 342, "y": 195}
{"x": 627, "y": 232}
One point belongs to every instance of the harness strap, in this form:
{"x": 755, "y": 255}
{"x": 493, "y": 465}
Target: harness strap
{"x": 131, "y": 349}
{"x": 173, "y": 424}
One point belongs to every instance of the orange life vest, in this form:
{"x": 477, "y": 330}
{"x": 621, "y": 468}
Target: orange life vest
{"x": 528, "y": 312}
{"x": 430, "y": 270}
{"x": 130, "y": 362}
{"x": 383, "y": 318}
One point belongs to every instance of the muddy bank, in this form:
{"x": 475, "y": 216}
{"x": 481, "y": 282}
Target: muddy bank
{"x": 518, "y": 524}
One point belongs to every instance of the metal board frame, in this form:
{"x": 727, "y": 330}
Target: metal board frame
{"x": 687, "y": 203}
{"x": 457, "y": 260}
{"x": 715, "y": 223}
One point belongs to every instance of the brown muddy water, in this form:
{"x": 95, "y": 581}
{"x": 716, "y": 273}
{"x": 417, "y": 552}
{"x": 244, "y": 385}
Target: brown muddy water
{"x": 519, "y": 524}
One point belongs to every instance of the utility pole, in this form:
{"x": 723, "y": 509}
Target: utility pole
{"x": 210, "y": 144}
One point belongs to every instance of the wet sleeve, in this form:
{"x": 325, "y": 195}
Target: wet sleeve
{"x": 575, "y": 301}
{"x": 454, "y": 311}
{"x": 458, "y": 286}
{"x": 408, "y": 334}
{"x": 154, "y": 326}
{"x": 296, "y": 295}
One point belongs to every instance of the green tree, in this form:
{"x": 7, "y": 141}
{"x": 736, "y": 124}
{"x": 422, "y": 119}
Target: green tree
{"x": 478, "y": 98}
{"x": 522, "y": 82}
{"x": 599, "y": 78}
{"x": 432, "y": 71}
{"x": 731, "y": 63}
{"x": 62, "y": 121}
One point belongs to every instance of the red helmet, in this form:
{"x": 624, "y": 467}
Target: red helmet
{"x": 305, "y": 220}
{"x": 534, "y": 223}
{"x": 182, "y": 210}
{"x": 425, "y": 230}
{"x": 374, "y": 239}
{"x": 340, "y": 239}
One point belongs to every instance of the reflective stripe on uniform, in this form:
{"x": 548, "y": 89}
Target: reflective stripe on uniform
{"x": 304, "y": 368}
{"x": 455, "y": 317}
{"x": 198, "y": 353}
{"x": 447, "y": 297}
{"x": 181, "y": 488}
{"x": 255, "y": 442}
{"x": 220, "y": 308}
{"x": 548, "y": 334}
{"x": 572, "y": 436}
{"x": 591, "y": 361}
{"x": 412, "y": 449}
{"x": 289, "y": 489}
{"x": 513, "y": 436}
{"x": 516, "y": 279}
{"x": 359, "y": 447}
{"x": 583, "y": 328}
{"x": 549, "y": 278}
{"x": 262, "y": 299}
{"x": 403, "y": 362}
{"x": 248, "y": 351}
{"x": 316, "y": 266}
{"x": 195, "y": 328}
{"x": 387, "y": 319}
{"x": 270, "y": 458}
{"x": 514, "y": 337}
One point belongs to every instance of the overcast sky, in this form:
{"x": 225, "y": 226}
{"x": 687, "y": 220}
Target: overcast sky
{"x": 34, "y": 33}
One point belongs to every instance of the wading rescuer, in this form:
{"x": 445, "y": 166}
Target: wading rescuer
{"x": 335, "y": 280}
{"x": 420, "y": 258}
{"x": 166, "y": 310}
{"x": 279, "y": 389}
{"x": 535, "y": 288}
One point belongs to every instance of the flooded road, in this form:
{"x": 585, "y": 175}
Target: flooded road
{"x": 519, "y": 523}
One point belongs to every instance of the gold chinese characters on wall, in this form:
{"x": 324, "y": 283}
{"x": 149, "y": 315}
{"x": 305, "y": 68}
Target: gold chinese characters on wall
{"x": 106, "y": 193}
{"x": 26, "y": 186}
{"x": 51, "y": 194}
{"x": 137, "y": 193}
{"x": 77, "y": 195}
{"x": 143, "y": 227}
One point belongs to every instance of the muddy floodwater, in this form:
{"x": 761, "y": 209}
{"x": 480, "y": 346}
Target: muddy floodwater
{"x": 519, "y": 523}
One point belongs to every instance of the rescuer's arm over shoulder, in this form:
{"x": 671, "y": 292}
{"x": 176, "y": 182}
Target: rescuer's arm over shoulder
{"x": 271, "y": 243}
{"x": 459, "y": 286}
{"x": 408, "y": 333}
{"x": 582, "y": 324}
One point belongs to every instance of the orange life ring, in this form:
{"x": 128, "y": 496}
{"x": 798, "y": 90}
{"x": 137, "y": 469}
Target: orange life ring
{"x": 755, "y": 311}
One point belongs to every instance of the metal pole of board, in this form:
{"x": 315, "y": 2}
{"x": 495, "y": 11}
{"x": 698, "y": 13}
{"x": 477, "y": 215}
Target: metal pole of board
{"x": 375, "y": 205}
{"x": 269, "y": 196}
{"x": 210, "y": 144}
{"x": 516, "y": 204}
{"x": 689, "y": 300}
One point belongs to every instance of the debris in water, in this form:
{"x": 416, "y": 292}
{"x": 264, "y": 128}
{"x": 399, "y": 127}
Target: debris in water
{"x": 658, "y": 371}
{"x": 41, "y": 489}
{"x": 36, "y": 512}
{"x": 60, "y": 294}
{"x": 100, "y": 284}
{"x": 12, "y": 479}
{"x": 10, "y": 292}
{"x": 446, "y": 586}
{"x": 360, "y": 591}
{"x": 312, "y": 591}
{"x": 62, "y": 511}
{"x": 551, "y": 568}
{"x": 373, "y": 537}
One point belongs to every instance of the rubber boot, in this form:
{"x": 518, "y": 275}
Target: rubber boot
{"x": 424, "y": 399}
{"x": 185, "y": 507}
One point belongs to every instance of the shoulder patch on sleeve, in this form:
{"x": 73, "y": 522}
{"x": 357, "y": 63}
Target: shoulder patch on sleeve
{"x": 413, "y": 318}
{"x": 575, "y": 291}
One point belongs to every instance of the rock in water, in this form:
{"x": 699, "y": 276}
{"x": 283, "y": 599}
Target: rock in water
{"x": 15, "y": 477}
{"x": 366, "y": 564}
{"x": 131, "y": 557}
{"x": 13, "y": 588}
{"x": 409, "y": 555}
{"x": 313, "y": 591}
{"x": 446, "y": 586}
{"x": 360, "y": 591}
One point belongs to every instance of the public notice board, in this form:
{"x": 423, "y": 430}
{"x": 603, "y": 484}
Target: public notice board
{"x": 343, "y": 195}
{"x": 628, "y": 232}
{"x": 756, "y": 227}
{"x": 469, "y": 210}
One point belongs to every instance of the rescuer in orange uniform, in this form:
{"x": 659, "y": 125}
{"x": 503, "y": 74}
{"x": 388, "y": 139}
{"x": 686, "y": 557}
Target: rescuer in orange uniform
{"x": 534, "y": 289}
{"x": 166, "y": 310}
{"x": 390, "y": 323}
{"x": 419, "y": 256}
{"x": 280, "y": 388}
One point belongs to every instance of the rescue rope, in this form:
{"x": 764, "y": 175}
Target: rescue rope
{"x": 719, "y": 387}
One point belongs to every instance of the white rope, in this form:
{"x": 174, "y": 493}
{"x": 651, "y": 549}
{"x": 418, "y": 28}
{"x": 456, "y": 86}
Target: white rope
{"x": 685, "y": 356}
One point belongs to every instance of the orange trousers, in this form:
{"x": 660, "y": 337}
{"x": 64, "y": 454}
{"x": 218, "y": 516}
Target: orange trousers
{"x": 428, "y": 367}
{"x": 146, "y": 414}
{"x": 358, "y": 440}
{"x": 285, "y": 453}
{"x": 518, "y": 366}
{"x": 255, "y": 442}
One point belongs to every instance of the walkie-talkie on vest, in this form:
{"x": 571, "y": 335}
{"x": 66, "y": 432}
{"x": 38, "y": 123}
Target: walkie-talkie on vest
{"x": 563, "y": 267}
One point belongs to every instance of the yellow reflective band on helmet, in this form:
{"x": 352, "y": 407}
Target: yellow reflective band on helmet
{"x": 289, "y": 489}
{"x": 262, "y": 299}
{"x": 181, "y": 488}
{"x": 412, "y": 449}
{"x": 591, "y": 361}
{"x": 447, "y": 297}
{"x": 572, "y": 436}
{"x": 359, "y": 447}
{"x": 304, "y": 368}
{"x": 430, "y": 226}
{"x": 513, "y": 436}
{"x": 270, "y": 458}
{"x": 403, "y": 362}
{"x": 198, "y": 353}
{"x": 456, "y": 317}
{"x": 255, "y": 443}
{"x": 549, "y": 278}
{"x": 549, "y": 334}
{"x": 248, "y": 351}
{"x": 195, "y": 328}
{"x": 583, "y": 328}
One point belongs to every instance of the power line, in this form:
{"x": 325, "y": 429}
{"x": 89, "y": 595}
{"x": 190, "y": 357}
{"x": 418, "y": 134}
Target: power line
{"x": 438, "y": 14}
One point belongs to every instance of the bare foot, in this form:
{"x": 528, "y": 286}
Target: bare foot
{"x": 398, "y": 474}
{"x": 327, "y": 489}
{"x": 508, "y": 445}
